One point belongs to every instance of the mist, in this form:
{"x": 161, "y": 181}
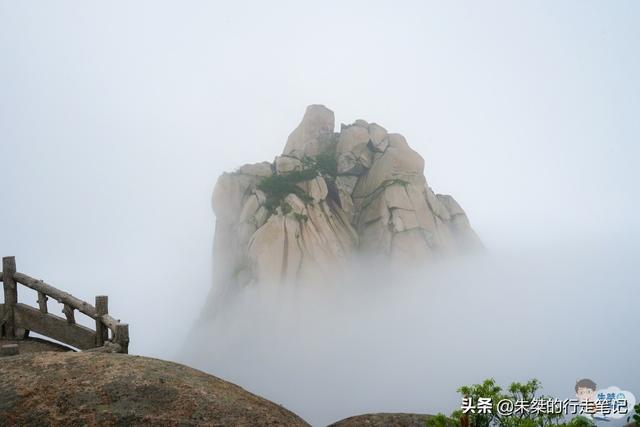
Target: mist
{"x": 404, "y": 341}
{"x": 116, "y": 119}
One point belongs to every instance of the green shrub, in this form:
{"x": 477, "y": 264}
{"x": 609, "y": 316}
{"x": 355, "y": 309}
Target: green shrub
{"x": 277, "y": 187}
{"x": 516, "y": 391}
{"x": 636, "y": 416}
{"x": 327, "y": 164}
{"x": 302, "y": 175}
{"x": 285, "y": 208}
{"x": 300, "y": 217}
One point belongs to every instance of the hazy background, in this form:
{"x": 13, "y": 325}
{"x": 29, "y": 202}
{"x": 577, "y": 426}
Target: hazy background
{"x": 116, "y": 118}
{"x": 405, "y": 341}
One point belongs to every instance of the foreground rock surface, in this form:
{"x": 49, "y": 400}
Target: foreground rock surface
{"x": 329, "y": 198}
{"x": 34, "y": 345}
{"x": 384, "y": 420}
{"x": 114, "y": 389}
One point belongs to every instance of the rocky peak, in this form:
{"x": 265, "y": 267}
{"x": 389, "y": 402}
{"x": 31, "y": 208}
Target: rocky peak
{"x": 328, "y": 197}
{"x": 313, "y": 134}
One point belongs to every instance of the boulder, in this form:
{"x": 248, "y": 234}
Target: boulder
{"x": 287, "y": 164}
{"x": 352, "y": 138}
{"x": 229, "y": 193}
{"x": 354, "y": 156}
{"x": 316, "y": 188}
{"x": 378, "y": 135}
{"x": 89, "y": 389}
{"x": 399, "y": 163}
{"x": 262, "y": 169}
{"x": 313, "y": 134}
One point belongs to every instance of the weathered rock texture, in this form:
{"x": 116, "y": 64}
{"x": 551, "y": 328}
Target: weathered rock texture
{"x": 91, "y": 389}
{"x": 330, "y": 196}
{"x": 35, "y": 345}
{"x": 384, "y": 420}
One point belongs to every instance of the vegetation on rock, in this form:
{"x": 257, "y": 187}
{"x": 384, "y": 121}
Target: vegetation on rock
{"x": 325, "y": 164}
{"x": 300, "y": 217}
{"x": 358, "y": 200}
{"x": 279, "y": 186}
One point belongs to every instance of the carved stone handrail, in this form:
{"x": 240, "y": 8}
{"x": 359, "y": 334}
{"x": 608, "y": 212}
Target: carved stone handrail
{"x": 17, "y": 319}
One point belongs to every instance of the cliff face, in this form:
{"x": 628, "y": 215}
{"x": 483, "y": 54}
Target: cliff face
{"x": 329, "y": 197}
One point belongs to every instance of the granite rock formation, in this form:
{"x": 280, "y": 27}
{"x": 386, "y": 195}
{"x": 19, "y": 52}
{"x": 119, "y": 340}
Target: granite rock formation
{"x": 328, "y": 198}
{"x": 99, "y": 389}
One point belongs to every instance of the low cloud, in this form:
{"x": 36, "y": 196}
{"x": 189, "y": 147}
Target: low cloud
{"x": 405, "y": 341}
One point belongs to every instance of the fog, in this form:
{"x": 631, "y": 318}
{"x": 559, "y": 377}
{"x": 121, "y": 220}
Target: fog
{"x": 116, "y": 119}
{"x": 404, "y": 341}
